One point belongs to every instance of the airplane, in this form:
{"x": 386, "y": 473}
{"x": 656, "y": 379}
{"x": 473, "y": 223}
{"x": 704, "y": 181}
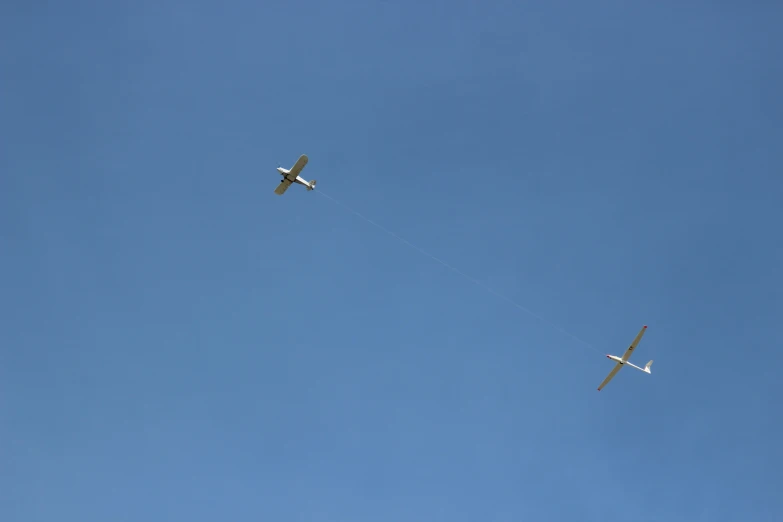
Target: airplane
{"x": 292, "y": 176}
{"x": 622, "y": 361}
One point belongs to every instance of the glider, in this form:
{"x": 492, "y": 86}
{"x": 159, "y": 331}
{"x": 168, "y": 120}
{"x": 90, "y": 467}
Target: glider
{"x": 292, "y": 176}
{"x": 622, "y": 361}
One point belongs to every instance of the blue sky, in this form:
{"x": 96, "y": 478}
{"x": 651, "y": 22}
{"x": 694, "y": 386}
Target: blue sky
{"x": 179, "y": 343}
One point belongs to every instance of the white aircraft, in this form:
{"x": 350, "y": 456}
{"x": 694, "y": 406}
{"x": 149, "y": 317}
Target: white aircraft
{"x": 622, "y": 361}
{"x": 292, "y": 176}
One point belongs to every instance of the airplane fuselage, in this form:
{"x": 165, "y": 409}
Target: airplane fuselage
{"x": 287, "y": 175}
{"x": 620, "y": 361}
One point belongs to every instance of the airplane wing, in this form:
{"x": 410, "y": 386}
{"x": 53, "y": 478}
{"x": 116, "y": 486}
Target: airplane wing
{"x": 298, "y": 166}
{"x": 611, "y": 375}
{"x": 282, "y": 187}
{"x": 631, "y": 348}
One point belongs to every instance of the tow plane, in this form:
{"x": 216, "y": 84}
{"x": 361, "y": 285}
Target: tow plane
{"x": 622, "y": 361}
{"x": 292, "y": 176}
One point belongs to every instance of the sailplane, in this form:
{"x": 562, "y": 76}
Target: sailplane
{"x": 622, "y": 361}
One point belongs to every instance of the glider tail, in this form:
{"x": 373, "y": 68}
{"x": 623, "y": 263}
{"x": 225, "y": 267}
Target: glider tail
{"x": 312, "y": 185}
{"x": 647, "y": 367}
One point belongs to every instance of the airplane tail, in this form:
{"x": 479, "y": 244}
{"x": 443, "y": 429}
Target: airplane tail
{"x": 647, "y": 367}
{"x": 312, "y": 185}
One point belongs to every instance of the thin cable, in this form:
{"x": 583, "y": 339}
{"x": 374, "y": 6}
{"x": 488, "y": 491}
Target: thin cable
{"x": 456, "y": 270}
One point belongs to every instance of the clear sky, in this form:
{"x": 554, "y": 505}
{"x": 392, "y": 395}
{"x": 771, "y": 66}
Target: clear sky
{"x": 179, "y": 343}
